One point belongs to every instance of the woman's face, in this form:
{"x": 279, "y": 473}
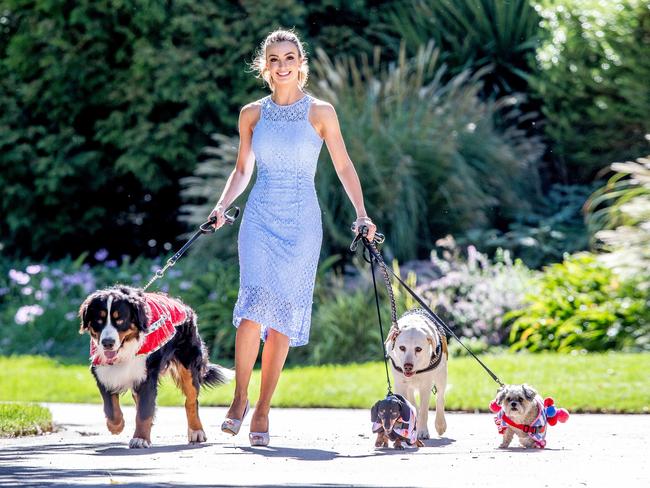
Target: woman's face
{"x": 283, "y": 62}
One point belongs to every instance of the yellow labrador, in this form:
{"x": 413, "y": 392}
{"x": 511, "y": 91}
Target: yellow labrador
{"x": 418, "y": 353}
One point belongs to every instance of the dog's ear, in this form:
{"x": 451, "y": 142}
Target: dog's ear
{"x": 501, "y": 395}
{"x": 529, "y": 392}
{"x": 390, "y": 340}
{"x": 138, "y": 308}
{"x": 83, "y": 313}
{"x": 404, "y": 411}
{"x": 374, "y": 413}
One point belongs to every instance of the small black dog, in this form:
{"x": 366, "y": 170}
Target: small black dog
{"x": 394, "y": 419}
{"x": 137, "y": 337}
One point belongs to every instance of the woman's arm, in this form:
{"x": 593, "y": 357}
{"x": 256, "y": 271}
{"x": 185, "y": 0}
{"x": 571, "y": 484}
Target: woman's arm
{"x": 241, "y": 175}
{"x": 326, "y": 124}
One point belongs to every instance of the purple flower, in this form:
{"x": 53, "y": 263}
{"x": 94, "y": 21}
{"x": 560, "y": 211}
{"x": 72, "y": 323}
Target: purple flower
{"x": 19, "y": 277}
{"x": 28, "y": 290}
{"x": 34, "y": 269}
{"x": 4, "y": 290}
{"x": 27, "y": 313}
{"x": 185, "y": 285}
{"x": 101, "y": 254}
{"x": 111, "y": 264}
{"x": 70, "y": 316}
{"x": 47, "y": 284}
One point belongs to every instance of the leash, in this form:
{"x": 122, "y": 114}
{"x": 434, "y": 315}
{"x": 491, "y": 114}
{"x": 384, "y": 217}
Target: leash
{"x": 205, "y": 228}
{"x": 376, "y": 256}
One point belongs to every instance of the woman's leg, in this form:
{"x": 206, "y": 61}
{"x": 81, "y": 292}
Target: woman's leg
{"x": 247, "y": 345}
{"x": 274, "y": 354}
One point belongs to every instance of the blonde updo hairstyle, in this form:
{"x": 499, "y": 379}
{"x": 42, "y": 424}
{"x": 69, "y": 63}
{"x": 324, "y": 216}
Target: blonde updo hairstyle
{"x": 259, "y": 62}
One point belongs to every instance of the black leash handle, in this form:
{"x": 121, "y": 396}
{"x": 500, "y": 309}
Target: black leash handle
{"x": 376, "y": 256}
{"x": 207, "y": 227}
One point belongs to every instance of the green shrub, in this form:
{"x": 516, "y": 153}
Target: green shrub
{"x": 545, "y": 233}
{"x": 429, "y": 155}
{"x": 580, "y": 304}
{"x": 471, "y": 34}
{"x": 619, "y": 218}
{"x": 105, "y": 105}
{"x": 591, "y": 77}
{"x": 473, "y": 294}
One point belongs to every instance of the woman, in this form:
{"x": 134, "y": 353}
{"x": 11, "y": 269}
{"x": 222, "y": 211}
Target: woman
{"x": 280, "y": 234}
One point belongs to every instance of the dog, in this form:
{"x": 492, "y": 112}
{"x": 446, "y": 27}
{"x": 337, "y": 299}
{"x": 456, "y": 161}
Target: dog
{"x": 137, "y": 337}
{"x": 521, "y": 411}
{"x": 418, "y": 353}
{"x": 394, "y": 419}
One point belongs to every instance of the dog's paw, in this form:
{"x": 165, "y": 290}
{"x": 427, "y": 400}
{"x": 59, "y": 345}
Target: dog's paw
{"x": 398, "y": 446}
{"x": 139, "y": 443}
{"x": 196, "y": 436}
{"x": 419, "y": 443}
{"x": 441, "y": 425}
{"x": 504, "y": 445}
{"x": 423, "y": 434}
{"x": 115, "y": 427}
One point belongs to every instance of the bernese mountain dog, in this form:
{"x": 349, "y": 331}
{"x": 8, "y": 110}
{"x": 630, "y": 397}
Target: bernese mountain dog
{"x": 137, "y": 337}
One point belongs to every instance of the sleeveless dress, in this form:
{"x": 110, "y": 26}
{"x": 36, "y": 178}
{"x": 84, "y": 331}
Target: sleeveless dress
{"x": 281, "y": 229}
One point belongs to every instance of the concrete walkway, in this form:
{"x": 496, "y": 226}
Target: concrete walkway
{"x": 323, "y": 447}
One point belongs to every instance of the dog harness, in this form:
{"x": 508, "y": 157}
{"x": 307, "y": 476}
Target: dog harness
{"x": 406, "y": 431}
{"x": 536, "y": 431}
{"x": 165, "y": 314}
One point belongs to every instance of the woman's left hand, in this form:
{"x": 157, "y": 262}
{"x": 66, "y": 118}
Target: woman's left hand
{"x": 361, "y": 222}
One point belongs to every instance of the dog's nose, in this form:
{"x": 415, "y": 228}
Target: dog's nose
{"x": 513, "y": 404}
{"x": 108, "y": 343}
{"x": 408, "y": 367}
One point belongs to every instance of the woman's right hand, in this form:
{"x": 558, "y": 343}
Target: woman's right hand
{"x": 218, "y": 212}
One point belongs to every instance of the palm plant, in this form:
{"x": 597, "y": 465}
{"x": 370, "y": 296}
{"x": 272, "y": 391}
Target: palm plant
{"x": 619, "y": 217}
{"x": 431, "y": 159}
{"x": 472, "y": 34}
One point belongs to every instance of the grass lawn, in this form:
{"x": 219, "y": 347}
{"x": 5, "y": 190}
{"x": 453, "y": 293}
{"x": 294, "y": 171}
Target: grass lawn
{"x": 609, "y": 382}
{"x": 23, "y": 419}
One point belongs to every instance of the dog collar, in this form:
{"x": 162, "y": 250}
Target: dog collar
{"x": 436, "y": 357}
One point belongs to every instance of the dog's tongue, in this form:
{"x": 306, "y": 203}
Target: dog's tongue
{"x": 110, "y": 355}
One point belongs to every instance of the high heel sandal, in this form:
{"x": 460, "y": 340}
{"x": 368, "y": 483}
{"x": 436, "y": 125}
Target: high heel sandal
{"x": 232, "y": 426}
{"x": 259, "y": 438}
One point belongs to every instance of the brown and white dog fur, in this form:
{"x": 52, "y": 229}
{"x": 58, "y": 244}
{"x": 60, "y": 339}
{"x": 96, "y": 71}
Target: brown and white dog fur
{"x": 117, "y": 320}
{"x": 411, "y": 347}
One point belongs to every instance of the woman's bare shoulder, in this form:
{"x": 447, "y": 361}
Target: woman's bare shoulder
{"x": 321, "y": 109}
{"x": 250, "y": 113}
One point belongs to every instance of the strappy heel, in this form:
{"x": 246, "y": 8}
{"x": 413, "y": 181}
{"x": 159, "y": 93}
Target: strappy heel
{"x": 232, "y": 426}
{"x": 259, "y": 438}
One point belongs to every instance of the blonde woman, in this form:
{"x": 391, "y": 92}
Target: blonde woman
{"x": 281, "y": 233}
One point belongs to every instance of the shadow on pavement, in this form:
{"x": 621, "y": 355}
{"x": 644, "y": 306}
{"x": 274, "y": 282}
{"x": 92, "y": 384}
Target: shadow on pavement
{"x": 292, "y": 453}
{"x": 124, "y": 450}
{"x": 24, "y": 476}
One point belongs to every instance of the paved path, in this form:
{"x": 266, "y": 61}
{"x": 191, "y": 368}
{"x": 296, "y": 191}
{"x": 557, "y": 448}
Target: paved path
{"x": 324, "y": 448}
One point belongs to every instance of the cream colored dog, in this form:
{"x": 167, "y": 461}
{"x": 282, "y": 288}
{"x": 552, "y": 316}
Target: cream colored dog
{"x": 418, "y": 354}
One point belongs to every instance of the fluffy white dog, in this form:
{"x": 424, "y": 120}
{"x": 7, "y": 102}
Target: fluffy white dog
{"x": 418, "y": 353}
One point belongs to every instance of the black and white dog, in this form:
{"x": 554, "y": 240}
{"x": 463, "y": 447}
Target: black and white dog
{"x": 137, "y": 337}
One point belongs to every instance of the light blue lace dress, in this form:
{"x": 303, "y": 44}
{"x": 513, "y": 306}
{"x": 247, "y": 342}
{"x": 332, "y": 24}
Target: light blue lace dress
{"x": 281, "y": 232}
